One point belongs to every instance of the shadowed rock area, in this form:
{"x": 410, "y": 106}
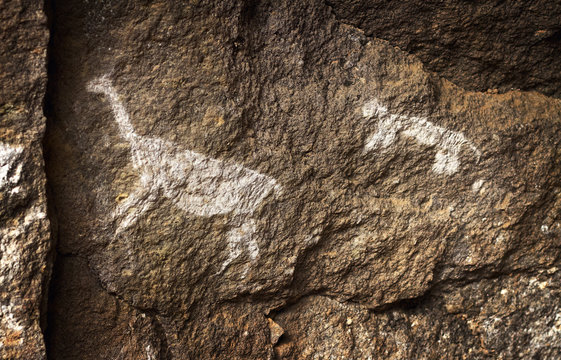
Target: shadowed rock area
{"x": 479, "y": 45}
{"x": 278, "y": 180}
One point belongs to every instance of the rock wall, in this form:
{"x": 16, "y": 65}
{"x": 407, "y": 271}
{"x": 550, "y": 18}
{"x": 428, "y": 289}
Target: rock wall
{"x": 273, "y": 179}
{"x": 479, "y": 45}
{"x": 24, "y": 227}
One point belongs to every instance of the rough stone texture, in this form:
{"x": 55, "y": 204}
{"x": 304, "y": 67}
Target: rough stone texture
{"x": 479, "y": 45}
{"x": 259, "y": 178}
{"x": 112, "y": 330}
{"x": 480, "y": 320}
{"x": 24, "y": 228}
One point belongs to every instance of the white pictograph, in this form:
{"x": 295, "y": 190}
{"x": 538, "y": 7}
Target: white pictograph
{"x": 449, "y": 143}
{"x": 196, "y": 183}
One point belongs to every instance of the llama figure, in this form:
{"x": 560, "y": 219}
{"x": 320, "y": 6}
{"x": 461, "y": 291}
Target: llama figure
{"x": 195, "y": 183}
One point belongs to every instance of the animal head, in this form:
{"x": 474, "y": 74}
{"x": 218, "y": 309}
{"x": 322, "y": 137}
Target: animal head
{"x": 100, "y": 84}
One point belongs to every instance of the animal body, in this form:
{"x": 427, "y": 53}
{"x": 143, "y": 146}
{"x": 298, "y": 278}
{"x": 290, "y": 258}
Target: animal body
{"x": 449, "y": 143}
{"x": 196, "y": 183}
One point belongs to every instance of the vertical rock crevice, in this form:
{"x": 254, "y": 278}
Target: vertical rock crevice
{"x": 48, "y": 111}
{"x": 51, "y": 210}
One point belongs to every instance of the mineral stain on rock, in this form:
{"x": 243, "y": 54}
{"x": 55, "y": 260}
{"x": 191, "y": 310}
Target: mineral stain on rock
{"x": 10, "y": 167}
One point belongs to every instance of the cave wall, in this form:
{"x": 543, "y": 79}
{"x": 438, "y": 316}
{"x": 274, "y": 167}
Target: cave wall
{"x": 290, "y": 180}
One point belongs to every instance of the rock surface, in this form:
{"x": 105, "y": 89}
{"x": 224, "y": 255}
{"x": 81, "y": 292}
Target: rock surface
{"x": 479, "y": 45}
{"x": 24, "y": 228}
{"x": 479, "y": 320}
{"x": 270, "y": 179}
{"x": 86, "y": 322}
{"x": 259, "y": 179}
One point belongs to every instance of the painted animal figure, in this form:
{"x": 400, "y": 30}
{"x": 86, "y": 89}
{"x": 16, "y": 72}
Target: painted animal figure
{"x": 449, "y": 143}
{"x": 196, "y": 183}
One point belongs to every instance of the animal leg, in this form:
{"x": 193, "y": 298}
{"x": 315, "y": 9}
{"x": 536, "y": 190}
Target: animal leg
{"x": 251, "y": 240}
{"x": 142, "y": 199}
{"x": 242, "y": 236}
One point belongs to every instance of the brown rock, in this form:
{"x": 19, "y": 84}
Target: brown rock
{"x": 85, "y": 322}
{"x": 479, "y": 45}
{"x": 260, "y": 179}
{"x": 276, "y": 331}
{"x": 492, "y": 319}
{"x": 24, "y": 228}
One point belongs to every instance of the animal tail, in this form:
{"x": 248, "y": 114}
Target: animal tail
{"x": 103, "y": 85}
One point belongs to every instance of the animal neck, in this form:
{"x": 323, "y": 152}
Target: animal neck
{"x": 121, "y": 117}
{"x": 103, "y": 85}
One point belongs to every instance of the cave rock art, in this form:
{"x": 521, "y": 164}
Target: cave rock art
{"x": 449, "y": 143}
{"x": 196, "y": 183}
